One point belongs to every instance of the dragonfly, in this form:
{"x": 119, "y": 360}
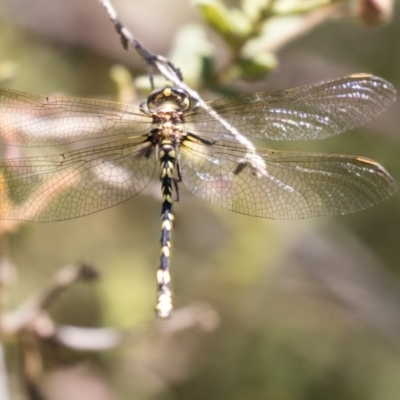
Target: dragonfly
{"x": 188, "y": 143}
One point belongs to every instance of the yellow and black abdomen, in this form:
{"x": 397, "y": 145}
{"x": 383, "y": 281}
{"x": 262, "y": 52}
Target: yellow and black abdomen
{"x": 167, "y": 158}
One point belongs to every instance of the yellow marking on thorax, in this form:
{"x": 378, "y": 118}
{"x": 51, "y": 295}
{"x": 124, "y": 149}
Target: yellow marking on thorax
{"x": 167, "y": 92}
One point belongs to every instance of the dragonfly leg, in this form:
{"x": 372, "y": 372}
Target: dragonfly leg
{"x": 240, "y": 167}
{"x": 195, "y": 138}
{"x": 177, "y": 180}
{"x": 257, "y": 166}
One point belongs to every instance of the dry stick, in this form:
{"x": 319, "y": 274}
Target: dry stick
{"x": 152, "y": 60}
{"x": 31, "y": 365}
{"x": 30, "y": 322}
{"x": 31, "y": 317}
{"x": 4, "y": 385}
{"x": 173, "y": 74}
{"x": 26, "y": 315}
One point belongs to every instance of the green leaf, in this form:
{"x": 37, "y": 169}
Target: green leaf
{"x": 258, "y": 66}
{"x": 232, "y": 24}
{"x": 191, "y": 58}
{"x": 217, "y": 16}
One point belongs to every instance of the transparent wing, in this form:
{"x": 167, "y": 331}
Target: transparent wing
{"x": 28, "y": 119}
{"x": 308, "y": 112}
{"x": 73, "y": 184}
{"x": 295, "y": 185}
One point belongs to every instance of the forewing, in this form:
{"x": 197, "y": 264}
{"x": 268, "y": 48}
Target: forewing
{"x": 294, "y": 185}
{"x": 308, "y": 112}
{"x": 77, "y": 183}
{"x": 28, "y": 119}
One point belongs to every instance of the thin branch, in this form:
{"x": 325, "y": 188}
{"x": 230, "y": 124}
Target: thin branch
{"x": 27, "y": 315}
{"x": 152, "y": 60}
{"x": 88, "y": 339}
{"x": 4, "y": 385}
{"x": 200, "y": 316}
{"x": 31, "y": 365}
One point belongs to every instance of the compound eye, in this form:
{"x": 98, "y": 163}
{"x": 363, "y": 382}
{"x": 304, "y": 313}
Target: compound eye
{"x": 153, "y": 99}
{"x": 186, "y": 103}
{"x": 182, "y": 97}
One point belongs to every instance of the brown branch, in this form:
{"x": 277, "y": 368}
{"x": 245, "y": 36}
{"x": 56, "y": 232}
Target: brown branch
{"x": 31, "y": 365}
{"x": 162, "y": 64}
{"x": 4, "y": 385}
{"x": 31, "y": 314}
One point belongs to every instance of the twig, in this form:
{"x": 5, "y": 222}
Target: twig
{"x": 32, "y": 368}
{"x": 30, "y": 323}
{"x": 152, "y": 60}
{"x": 88, "y": 339}
{"x": 27, "y": 316}
{"x": 199, "y": 316}
{"x": 4, "y": 385}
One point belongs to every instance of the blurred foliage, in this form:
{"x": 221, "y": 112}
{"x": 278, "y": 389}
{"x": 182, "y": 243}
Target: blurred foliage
{"x": 287, "y": 330}
{"x": 252, "y": 33}
{"x": 8, "y": 71}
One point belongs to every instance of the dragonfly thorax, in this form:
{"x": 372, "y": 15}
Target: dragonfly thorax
{"x": 167, "y": 107}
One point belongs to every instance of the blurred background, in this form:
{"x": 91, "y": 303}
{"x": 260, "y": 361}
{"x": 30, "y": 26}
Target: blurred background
{"x": 279, "y": 310}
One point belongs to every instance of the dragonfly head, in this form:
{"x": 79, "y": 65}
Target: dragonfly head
{"x": 168, "y": 99}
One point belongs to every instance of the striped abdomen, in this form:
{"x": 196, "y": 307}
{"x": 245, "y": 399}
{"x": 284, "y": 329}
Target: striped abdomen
{"x": 167, "y": 158}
